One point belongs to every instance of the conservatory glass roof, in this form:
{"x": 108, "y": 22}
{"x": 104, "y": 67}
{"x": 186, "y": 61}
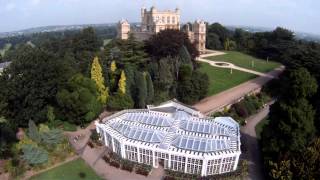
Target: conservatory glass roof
{"x": 138, "y": 133}
{"x": 154, "y": 120}
{"x": 203, "y": 127}
{"x": 200, "y": 144}
{"x": 177, "y": 128}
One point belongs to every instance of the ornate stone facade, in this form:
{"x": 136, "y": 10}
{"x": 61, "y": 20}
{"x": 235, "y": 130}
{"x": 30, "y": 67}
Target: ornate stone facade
{"x": 153, "y": 21}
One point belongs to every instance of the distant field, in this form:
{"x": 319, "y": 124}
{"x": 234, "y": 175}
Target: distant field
{"x": 5, "y": 48}
{"x": 69, "y": 171}
{"x": 220, "y": 79}
{"x": 259, "y": 127}
{"x": 245, "y": 61}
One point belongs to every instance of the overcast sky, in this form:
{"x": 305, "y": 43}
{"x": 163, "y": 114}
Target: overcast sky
{"x": 297, "y": 15}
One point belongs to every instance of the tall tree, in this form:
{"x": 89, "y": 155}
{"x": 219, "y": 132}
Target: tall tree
{"x": 122, "y": 83}
{"x": 150, "y": 89}
{"x": 292, "y": 116}
{"x": 141, "y": 90}
{"x": 31, "y": 84}
{"x": 78, "y": 100}
{"x": 168, "y": 43}
{"x": 97, "y": 77}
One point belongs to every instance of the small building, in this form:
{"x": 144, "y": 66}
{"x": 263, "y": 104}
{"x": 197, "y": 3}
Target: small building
{"x": 174, "y": 136}
{"x": 154, "y": 21}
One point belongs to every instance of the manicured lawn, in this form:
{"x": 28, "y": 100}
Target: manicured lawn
{"x": 220, "y": 79}
{"x": 245, "y": 61}
{"x": 69, "y": 171}
{"x": 259, "y": 127}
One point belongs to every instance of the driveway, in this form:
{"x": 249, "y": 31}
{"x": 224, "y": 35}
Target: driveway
{"x": 249, "y": 137}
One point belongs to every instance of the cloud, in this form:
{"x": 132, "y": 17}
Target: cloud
{"x": 10, "y": 6}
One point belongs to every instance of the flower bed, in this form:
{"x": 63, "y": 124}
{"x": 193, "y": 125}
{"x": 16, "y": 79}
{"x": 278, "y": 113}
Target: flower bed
{"x": 127, "y": 165}
{"x": 143, "y": 169}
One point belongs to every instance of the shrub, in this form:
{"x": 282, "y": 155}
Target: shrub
{"x": 69, "y": 127}
{"x": 82, "y": 175}
{"x": 34, "y": 155}
{"x": 90, "y": 144}
{"x": 115, "y": 164}
{"x": 143, "y": 169}
{"x": 127, "y": 165}
{"x": 94, "y": 136}
{"x": 16, "y": 167}
{"x": 114, "y": 156}
{"x": 106, "y": 159}
{"x": 241, "y": 109}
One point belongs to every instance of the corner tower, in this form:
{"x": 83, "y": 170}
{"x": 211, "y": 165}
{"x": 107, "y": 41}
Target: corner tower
{"x": 123, "y": 29}
{"x": 199, "y": 30}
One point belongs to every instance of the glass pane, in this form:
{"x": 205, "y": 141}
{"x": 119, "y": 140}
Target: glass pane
{"x": 143, "y": 136}
{"x": 196, "y": 145}
{"x": 183, "y": 143}
{"x": 203, "y": 146}
{"x": 195, "y": 127}
{"x": 206, "y": 128}
{"x": 137, "y": 135}
{"x": 190, "y": 143}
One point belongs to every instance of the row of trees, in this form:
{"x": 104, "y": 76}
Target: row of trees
{"x": 290, "y": 142}
{"x": 74, "y": 79}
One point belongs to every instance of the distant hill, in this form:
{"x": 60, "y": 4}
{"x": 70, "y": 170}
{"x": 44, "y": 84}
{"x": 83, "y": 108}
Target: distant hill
{"x": 299, "y": 35}
{"x": 51, "y": 29}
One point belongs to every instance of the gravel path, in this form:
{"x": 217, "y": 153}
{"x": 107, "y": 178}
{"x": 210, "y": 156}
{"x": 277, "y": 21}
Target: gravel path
{"x": 249, "y": 137}
{"x": 214, "y": 103}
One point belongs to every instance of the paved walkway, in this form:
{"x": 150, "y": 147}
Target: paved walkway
{"x": 93, "y": 157}
{"x": 214, "y": 103}
{"x": 249, "y": 138}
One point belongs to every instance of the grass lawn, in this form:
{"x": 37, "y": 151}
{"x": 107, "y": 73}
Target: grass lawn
{"x": 243, "y": 60}
{"x": 220, "y": 79}
{"x": 259, "y": 127}
{"x": 69, "y": 171}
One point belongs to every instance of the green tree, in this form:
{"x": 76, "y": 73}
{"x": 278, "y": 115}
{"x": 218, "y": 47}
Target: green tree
{"x": 97, "y": 77}
{"x": 281, "y": 170}
{"x": 184, "y": 89}
{"x": 122, "y": 83}
{"x": 150, "y": 89}
{"x": 141, "y": 90}
{"x": 50, "y": 114}
{"x": 31, "y": 84}
{"x": 78, "y": 100}
{"x": 168, "y": 43}
{"x": 120, "y": 101}
{"x": 213, "y": 41}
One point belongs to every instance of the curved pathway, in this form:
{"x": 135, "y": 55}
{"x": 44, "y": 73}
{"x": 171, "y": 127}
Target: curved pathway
{"x": 225, "y": 64}
{"x": 250, "y": 141}
{"x": 214, "y": 103}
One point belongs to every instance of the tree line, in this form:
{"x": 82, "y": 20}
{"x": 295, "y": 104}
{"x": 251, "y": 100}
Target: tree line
{"x": 75, "y": 79}
{"x": 290, "y": 141}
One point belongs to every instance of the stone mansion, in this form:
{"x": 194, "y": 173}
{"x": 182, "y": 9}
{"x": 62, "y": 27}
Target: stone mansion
{"x": 153, "y": 21}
